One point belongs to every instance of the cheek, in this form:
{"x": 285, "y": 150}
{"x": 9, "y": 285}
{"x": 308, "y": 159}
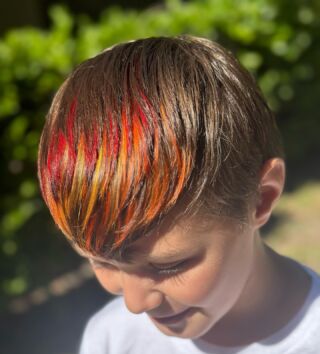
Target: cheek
{"x": 109, "y": 279}
{"x": 200, "y": 286}
{"x": 217, "y": 283}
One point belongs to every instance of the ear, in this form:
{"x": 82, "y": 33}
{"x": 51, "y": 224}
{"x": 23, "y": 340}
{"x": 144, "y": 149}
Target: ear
{"x": 272, "y": 179}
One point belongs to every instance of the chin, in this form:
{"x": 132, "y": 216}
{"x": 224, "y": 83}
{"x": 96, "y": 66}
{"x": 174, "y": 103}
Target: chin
{"x": 192, "y": 328}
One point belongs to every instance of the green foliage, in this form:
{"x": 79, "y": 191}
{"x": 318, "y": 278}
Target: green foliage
{"x": 278, "y": 41}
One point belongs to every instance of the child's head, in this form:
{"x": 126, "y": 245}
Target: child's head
{"x": 148, "y": 130}
{"x": 151, "y": 138}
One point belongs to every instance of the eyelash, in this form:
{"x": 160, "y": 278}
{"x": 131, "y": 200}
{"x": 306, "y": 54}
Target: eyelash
{"x": 172, "y": 270}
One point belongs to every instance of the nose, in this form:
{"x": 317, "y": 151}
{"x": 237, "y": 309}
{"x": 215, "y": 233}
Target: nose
{"x": 139, "y": 293}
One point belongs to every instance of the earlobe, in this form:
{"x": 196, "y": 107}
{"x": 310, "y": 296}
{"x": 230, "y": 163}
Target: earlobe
{"x": 272, "y": 179}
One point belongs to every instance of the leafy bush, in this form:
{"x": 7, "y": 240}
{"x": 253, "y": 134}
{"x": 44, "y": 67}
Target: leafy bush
{"x": 278, "y": 41}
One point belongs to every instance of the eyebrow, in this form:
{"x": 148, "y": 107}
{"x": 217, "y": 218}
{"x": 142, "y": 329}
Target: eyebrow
{"x": 166, "y": 256}
{"x": 131, "y": 253}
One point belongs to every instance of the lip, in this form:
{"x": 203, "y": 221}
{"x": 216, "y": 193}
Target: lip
{"x": 172, "y": 319}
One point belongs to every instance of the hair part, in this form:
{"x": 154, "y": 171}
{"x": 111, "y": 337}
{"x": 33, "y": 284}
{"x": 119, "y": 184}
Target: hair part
{"x": 149, "y": 129}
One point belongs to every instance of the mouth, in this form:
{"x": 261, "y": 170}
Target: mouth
{"x": 172, "y": 319}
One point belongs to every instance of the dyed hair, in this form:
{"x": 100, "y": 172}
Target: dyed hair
{"x": 149, "y": 129}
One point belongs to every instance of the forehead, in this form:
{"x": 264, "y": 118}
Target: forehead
{"x": 179, "y": 239}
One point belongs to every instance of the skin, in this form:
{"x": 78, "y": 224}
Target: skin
{"x": 230, "y": 277}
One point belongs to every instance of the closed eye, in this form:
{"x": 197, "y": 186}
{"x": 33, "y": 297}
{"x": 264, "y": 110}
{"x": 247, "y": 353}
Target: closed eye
{"x": 169, "y": 269}
{"x": 161, "y": 269}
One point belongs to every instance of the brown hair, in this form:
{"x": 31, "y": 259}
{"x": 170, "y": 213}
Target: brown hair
{"x": 149, "y": 128}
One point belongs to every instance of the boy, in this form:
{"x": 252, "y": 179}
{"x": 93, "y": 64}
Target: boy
{"x": 160, "y": 161}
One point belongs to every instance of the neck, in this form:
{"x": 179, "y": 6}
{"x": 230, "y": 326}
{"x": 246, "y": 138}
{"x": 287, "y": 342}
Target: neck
{"x": 263, "y": 306}
{"x": 265, "y": 284}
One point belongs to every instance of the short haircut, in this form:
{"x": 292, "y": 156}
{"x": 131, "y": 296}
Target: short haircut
{"x": 148, "y": 129}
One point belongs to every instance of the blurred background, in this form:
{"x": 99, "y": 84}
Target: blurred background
{"x": 47, "y": 291}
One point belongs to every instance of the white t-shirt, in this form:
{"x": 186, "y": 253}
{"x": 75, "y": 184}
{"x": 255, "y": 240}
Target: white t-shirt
{"x": 115, "y": 330}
